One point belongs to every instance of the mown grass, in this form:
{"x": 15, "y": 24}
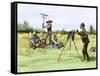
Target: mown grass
{"x": 43, "y": 59}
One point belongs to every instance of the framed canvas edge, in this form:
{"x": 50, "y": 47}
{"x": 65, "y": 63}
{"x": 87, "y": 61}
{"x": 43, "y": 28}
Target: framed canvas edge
{"x": 14, "y": 36}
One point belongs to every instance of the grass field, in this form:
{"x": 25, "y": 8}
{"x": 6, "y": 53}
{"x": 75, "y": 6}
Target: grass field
{"x": 42, "y": 59}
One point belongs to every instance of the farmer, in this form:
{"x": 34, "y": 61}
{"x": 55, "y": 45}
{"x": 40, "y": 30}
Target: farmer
{"x": 49, "y": 31}
{"x": 85, "y": 40}
{"x": 58, "y": 43}
{"x": 34, "y": 40}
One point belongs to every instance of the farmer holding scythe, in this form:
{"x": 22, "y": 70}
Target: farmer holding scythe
{"x": 49, "y": 31}
{"x": 49, "y": 28}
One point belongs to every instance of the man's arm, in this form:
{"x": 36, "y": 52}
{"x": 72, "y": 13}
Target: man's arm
{"x": 82, "y": 34}
{"x": 78, "y": 33}
{"x": 43, "y": 25}
{"x": 47, "y": 26}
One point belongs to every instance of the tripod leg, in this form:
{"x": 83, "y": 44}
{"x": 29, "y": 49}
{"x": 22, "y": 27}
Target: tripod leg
{"x": 70, "y": 46}
{"x": 62, "y": 51}
{"x": 77, "y": 50}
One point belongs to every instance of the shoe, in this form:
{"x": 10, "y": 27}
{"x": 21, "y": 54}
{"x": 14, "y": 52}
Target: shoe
{"x": 34, "y": 47}
{"x": 83, "y": 60}
{"x": 88, "y": 60}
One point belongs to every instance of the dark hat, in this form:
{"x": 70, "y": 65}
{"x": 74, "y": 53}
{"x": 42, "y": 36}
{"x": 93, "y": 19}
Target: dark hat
{"x": 49, "y": 21}
{"x": 82, "y": 24}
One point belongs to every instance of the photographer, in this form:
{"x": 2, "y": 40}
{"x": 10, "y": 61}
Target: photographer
{"x": 85, "y": 40}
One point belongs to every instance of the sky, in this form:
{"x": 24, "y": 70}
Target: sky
{"x": 63, "y": 17}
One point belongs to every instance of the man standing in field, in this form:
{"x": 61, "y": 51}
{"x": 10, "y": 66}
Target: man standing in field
{"x": 49, "y": 31}
{"x": 85, "y": 40}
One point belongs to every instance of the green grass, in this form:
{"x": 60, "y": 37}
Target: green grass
{"x": 43, "y": 59}
{"x": 46, "y": 59}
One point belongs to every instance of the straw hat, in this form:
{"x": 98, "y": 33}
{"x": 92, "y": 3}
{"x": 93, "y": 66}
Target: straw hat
{"x": 49, "y": 21}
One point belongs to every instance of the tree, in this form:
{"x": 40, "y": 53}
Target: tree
{"x": 92, "y": 30}
{"x": 24, "y": 27}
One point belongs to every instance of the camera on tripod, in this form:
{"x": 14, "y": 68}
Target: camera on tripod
{"x": 71, "y": 35}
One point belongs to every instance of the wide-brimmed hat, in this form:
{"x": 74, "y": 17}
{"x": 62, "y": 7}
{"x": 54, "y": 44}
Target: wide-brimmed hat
{"x": 49, "y": 21}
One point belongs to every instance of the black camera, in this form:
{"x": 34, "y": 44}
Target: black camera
{"x": 71, "y": 35}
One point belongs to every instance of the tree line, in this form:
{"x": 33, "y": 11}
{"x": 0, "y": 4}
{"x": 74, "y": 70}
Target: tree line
{"x": 25, "y": 27}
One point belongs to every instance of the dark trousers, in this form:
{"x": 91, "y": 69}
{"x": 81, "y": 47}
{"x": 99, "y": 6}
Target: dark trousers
{"x": 49, "y": 36}
{"x": 85, "y": 53}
